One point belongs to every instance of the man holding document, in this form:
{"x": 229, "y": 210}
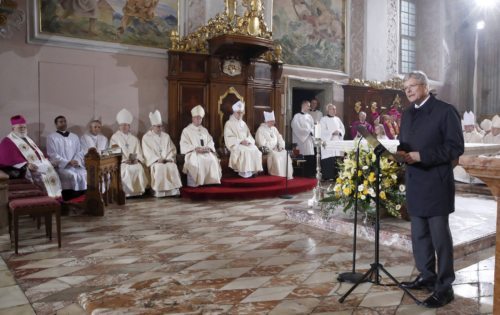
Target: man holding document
{"x": 431, "y": 142}
{"x": 20, "y": 157}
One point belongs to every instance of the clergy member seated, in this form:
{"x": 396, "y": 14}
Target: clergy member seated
{"x": 134, "y": 179}
{"x": 94, "y": 138}
{"x": 303, "y": 136}
{"x": 269, "y": 137}
{"x": 361, "y": 122}
{"x": 494, "y": 135}
{"x": 245, "y": 158}
{"x": 20, "y": 157}
{"x": 160, "y": 154}
{"x": 332, "y": 129}
{"x": 63, "y": 149}
{"x": 471, "y": 135}
{"x": 201, "y": 164}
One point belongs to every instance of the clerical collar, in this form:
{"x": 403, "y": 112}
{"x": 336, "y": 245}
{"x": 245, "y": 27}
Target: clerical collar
{"x": 330, "y": 116}
{"x": 423, "y": 103}
{"x": 302, "y": 113}
{"x": 313, "y": 110}
{"x": 64, "y": 134}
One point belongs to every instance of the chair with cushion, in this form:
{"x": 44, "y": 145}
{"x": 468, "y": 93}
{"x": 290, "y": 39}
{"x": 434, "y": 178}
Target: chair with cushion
{"x": 35, "y": 206}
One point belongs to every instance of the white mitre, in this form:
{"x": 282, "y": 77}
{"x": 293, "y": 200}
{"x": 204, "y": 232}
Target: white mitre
{"x": 239, "y": 106}
{"x": 269, "y": 116}
{"x": 495, "y": 122}
{"x": 155, "y": 118}
{"x": 198, "y": 111}
{"x": 469, "y": 119}
{"x": 486, "y": 125}
{"x": 124, "y": 117}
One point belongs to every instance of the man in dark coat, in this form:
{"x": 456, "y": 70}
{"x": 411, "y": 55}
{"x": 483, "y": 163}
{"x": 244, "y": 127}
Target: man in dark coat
{"x": 431, "y": 142}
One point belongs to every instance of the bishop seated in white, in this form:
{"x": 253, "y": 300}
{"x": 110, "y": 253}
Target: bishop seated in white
{"x": 160, "y": 154}
{"x": 134, "y": 179}
{"x": 63, "y": 149}
{"x": 201, "y": 164}
{"x": 94, "y": 138}
{"x": 268, "y": 136}
{"x": 471, "y": 134}
{"x": 494, "y": 135}
{"x": 245, "y": 158}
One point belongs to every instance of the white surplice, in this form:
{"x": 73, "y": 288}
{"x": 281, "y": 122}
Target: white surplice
{"x": 244, "y": 158}
{"x": 134, "y": 178}
{"x": 277, "y": 157}
{"x": 61, "y": 150}
{"x": 165, "y": 178}
{"x": 302, "y": 133}
{"x": 329, "y": 125}
{"x": 88, "y": 140}
{"x": 202, "y": 168}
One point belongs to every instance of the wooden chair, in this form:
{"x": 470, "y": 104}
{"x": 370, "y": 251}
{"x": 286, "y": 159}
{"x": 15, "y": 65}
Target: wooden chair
{"x": 35, "y": 206}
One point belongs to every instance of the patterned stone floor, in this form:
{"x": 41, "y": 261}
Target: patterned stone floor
{"x": 177, "y": 256}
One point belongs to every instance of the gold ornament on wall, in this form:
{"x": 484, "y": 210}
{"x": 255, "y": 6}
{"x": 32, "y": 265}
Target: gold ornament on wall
{"x": 11, "y": 18}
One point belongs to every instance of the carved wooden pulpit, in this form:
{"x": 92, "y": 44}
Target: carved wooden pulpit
{"x": 104, "y": 184}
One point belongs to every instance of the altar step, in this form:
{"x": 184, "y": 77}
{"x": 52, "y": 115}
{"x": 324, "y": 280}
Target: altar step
{"x": 479, "y": 189}
{"x": 472, "y": 225}
{"x": 263, "y": 186}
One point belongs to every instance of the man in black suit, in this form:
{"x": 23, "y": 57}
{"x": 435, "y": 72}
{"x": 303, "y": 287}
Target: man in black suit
{"x": 431, "y": 142}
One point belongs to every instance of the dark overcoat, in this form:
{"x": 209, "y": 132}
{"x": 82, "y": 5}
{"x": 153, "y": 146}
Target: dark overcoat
{"x": 435, "y": 131}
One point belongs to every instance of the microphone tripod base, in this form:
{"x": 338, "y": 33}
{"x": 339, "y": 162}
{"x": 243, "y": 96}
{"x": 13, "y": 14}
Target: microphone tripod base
{"x": 285, "y": 196}
{"x": 351, "y": 277}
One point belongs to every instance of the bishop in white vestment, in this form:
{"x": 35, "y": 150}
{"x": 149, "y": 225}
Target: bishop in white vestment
{"x": 160, "y": 154}
{"x": 268, "y": 136}
{"x": 245, "y": 158}
{"x": 471, "y": 135}
{"x": 134, "y": 178}
{"x": 303, "y": 136}
{"x": 494, "y": 135}
{"x": 63, "y": 149}
{"x": 94, "y": 138}
{"x": 332, "y": 129}
{"x": 201, "y": 164}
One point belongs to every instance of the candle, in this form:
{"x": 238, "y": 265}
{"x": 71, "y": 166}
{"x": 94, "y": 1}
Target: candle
{"x": 317, "y": 131}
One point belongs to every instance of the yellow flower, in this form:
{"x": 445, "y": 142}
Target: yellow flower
{"x": 382, "y": 195}
{"x": 347, "y": 191}
{"x": 339, "y": 180}
{"x": 360, "y": 173}
{"x": 371, "y": 177}
{"x": 365, "y": 183}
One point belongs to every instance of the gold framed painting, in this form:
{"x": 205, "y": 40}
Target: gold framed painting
{"x": 123, "y": 26}
{"x": 311, "y": 33}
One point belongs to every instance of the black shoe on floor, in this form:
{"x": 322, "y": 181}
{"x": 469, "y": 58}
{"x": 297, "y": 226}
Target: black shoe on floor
{"x": 418, "y": 284}
{"x": 438, "y": 299}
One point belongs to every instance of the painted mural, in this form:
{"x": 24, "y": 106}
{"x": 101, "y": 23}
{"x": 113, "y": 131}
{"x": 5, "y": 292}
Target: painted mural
{"x": 311, "y": 32}
{"x": 131, "y": 22}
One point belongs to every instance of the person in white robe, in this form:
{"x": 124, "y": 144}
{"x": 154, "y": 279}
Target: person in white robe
{"x": 245, "y": 158}
{"x": 133, "y": 175}
{"x": 332, "y": 129}
{"x": 20, "y": 157}
{"x": 161, "y": 156}
{"x": 315, "y": 110}
{"x": 303, "y": 136}
{"x": 64, "y": 152}
{"x": 494, "y": 135}
{"x": 268, "y": 136}
{"x": 485, "y": 127}
{"x": 471, "y": 135}
{"x": 201, "y": 164}
{"x": 94, "y": 138}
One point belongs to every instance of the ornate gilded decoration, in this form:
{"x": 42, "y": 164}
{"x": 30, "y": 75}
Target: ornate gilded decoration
{"x": 231, "y": 67}
{"x": 228, "y": 22}
{"x": 394, "y": 83}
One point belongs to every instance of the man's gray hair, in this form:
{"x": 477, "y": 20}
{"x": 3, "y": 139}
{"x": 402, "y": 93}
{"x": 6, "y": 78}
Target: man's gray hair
{"x": 418, "y": 75}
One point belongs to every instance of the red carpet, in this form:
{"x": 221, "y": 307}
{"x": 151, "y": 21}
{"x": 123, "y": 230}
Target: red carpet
{"x": 249, "y": 188}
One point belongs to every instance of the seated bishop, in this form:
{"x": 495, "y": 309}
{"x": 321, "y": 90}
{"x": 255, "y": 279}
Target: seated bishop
{"x": 245, "y": 158}
{"x": 268, "y": 136}
{"x": 471, "y": 134}
{"x": 160, "y": 154}
{"x": 201, "y": 164}
{"x": 134, "y": 178}
{"x": 20, "y": 157}
{"x": 63, "y": 149}
{"x": 94, "y": 138}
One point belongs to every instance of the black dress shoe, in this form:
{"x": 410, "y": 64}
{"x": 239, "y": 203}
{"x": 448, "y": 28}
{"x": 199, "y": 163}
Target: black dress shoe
{"x": 418, "y": 284}
{"x": 439, "y": 299}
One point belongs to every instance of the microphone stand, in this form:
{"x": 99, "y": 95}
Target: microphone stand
{"x": 353, "y": 276}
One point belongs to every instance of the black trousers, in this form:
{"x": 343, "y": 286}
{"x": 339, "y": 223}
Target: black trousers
{"x": 431, "y": 238}
{"x": 310, "y": 166}
{"x": 329, "y": 168}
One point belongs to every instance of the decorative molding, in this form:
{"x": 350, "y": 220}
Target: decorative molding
{"x": 392, "y": 37}
{"x": 356, "y": 38}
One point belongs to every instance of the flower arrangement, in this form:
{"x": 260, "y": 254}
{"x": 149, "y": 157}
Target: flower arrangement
{"x": 350, "y": 185}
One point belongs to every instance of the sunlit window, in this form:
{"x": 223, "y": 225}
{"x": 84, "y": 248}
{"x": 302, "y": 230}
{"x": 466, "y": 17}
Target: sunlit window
{"x": 407, "y": 38}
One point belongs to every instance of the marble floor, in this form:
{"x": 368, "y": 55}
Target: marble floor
{"x": 160, "y": 256}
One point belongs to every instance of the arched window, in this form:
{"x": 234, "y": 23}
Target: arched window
{"x": 408, "y": 33}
